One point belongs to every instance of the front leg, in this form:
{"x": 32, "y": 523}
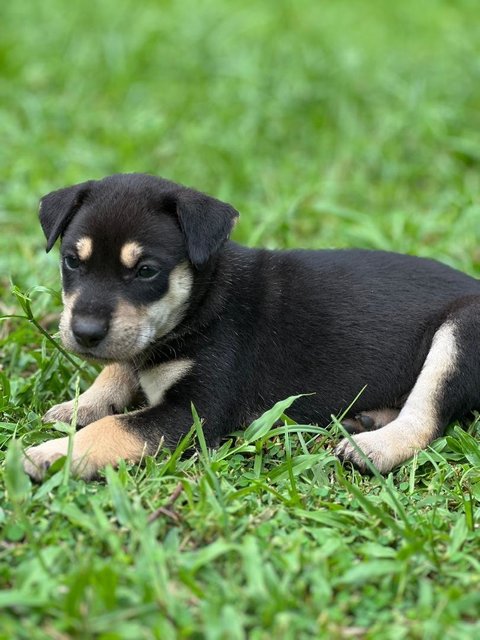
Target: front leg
{"x": 112, "y": 391}
{"x": 111, "y": 439}
{"x": 103, "y": 442}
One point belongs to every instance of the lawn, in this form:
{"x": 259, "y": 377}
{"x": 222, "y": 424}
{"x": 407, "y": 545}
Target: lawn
{"x": 327, "y": 124}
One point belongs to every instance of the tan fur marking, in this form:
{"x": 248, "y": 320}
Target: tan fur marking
{"x": 156, "y": 382}
{"x": 111, "y": 392}
{"x": 164, "y": 315}
{"x": 130, "y": 253}
{"x": 103, "y": 442}
{"x": 66, "y": 319}
{"x": 417, "y": 423}
{"x": 84, "y": 248}
{"x": 68, "y": 299}
{"x": 380, "y": 417}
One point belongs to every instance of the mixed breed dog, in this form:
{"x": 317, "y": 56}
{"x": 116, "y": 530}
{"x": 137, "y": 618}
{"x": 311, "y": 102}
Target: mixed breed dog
{"x": 154, "y": 289}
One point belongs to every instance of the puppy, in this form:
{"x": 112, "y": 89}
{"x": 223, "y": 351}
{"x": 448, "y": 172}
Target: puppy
{"x": 153, "y": 288}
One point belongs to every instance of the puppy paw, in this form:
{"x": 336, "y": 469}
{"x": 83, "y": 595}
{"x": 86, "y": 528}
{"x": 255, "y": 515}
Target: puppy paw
{"x": 36, "y": 463}
{"x": 382, "y": 449}
{"x": 101, "y": 443}
{"x": 37, "y": 460}
{"x": 86, "y": 412}
{"x": 111, "y": 392}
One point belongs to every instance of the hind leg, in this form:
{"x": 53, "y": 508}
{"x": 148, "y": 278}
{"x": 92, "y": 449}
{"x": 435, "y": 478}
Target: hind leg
{"x": 447, "y": 387}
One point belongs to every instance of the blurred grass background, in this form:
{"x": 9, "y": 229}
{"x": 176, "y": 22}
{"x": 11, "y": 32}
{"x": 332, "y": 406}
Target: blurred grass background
{"x": 340, "y": 123}
{"x": 325, "y": 123}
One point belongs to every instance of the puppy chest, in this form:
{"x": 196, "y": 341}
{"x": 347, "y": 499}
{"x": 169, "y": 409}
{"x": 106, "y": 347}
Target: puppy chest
{"x": 155, "y": 382}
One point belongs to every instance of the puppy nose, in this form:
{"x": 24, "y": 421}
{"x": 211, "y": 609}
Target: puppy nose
{"x": 88, "y": 330}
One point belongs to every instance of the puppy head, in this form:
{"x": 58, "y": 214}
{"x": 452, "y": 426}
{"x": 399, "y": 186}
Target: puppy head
{"x": 131, "y": 245}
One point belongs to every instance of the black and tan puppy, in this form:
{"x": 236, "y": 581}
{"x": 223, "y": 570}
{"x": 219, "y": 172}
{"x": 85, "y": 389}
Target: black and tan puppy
{"x": 153, "y": 288}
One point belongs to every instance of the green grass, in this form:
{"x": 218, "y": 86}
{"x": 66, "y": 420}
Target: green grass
{"x": 341, "y": 123}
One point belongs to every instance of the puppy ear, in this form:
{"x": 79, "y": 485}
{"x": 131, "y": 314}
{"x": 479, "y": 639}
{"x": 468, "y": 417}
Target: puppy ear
{"x": 206, "y": 224}
{"x": 58, "y": 208}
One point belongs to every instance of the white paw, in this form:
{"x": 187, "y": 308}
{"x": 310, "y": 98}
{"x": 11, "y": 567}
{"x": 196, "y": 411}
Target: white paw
{"x": 384, "y": 448}
{"x": 86, "y": 412}
{"x": 37, "y": 460}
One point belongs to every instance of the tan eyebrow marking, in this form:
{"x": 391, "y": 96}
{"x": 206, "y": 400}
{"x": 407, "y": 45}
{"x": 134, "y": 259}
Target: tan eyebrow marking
{"x": 130, "y": 253}
{"x": 84, "y": 248}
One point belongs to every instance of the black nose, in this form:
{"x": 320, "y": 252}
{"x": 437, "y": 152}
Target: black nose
{"x": 89, "y": 330}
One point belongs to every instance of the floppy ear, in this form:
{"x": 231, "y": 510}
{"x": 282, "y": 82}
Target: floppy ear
{"x": 206, "y": 224}
{"x": 58, "y": 208}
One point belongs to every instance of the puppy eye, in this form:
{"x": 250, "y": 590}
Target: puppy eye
{"x": 146, "y": 272}
{"x": 71, "y": 262}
